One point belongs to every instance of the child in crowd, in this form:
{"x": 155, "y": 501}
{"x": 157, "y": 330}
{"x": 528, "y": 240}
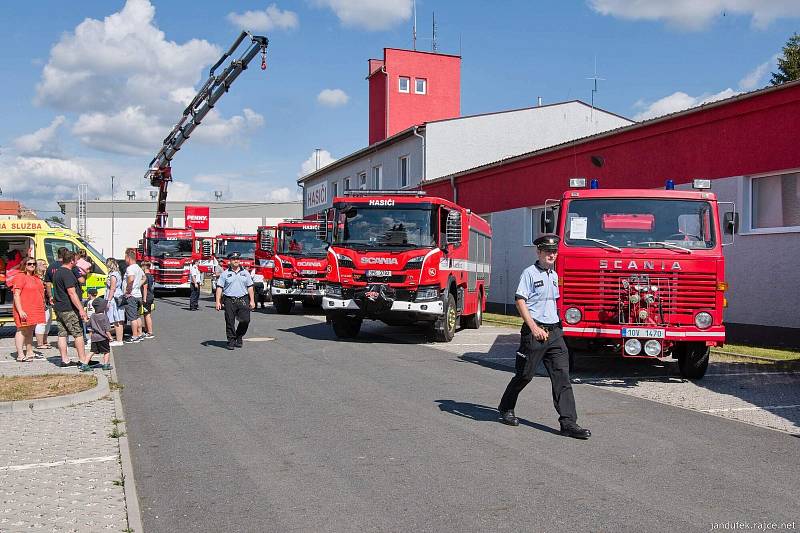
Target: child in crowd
{"x": 100, "y": 327}
{"x": 87, "y": 329}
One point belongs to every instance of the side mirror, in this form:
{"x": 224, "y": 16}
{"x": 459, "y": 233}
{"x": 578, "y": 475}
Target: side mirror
{"x": 453, "y": 230}
{"x": 730, "y": 222}
{"x": 141, "y": 246}
{"x": 547, "y": 224}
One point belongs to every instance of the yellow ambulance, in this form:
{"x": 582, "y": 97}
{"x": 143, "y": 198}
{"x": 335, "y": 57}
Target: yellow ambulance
{"x": 42, "y": 240}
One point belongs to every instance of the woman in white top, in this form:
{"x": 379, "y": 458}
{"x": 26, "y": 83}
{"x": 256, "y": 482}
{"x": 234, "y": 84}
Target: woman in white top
{"x": 114, "y": 312}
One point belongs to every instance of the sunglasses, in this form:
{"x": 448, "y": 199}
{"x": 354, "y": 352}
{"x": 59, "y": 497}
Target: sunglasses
{"x": 29, "y": 264}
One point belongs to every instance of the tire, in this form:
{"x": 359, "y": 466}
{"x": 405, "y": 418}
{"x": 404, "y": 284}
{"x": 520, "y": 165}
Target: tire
{"x": 693, "y": 359}
{"x": 346, "y": 327}
{"x": 283, "y": 305}
{"x": 474, "y": 321}
{"x": 445, "y": 328}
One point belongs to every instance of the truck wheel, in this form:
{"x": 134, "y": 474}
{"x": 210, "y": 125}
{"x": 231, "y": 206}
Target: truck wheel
{"x": 474, "y": 321}
{"x": 693, "y": 359}
{"x": 346, "y": 327}
{"x": 283, "y": 305}
{"x": 445, "y": 328}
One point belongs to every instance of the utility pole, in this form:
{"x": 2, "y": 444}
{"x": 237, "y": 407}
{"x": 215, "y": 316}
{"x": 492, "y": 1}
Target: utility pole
{"x": 112, "y": 216}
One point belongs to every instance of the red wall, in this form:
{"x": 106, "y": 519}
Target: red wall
{"x": 377, "y": 107}
{"x": 745, "y": 136}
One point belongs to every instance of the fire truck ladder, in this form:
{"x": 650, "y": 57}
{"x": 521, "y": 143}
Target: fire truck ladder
{"x": 160, "y": 171}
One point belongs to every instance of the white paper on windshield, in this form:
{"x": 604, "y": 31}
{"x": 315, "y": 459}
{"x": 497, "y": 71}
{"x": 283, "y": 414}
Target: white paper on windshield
{"x": 577, "y": 228}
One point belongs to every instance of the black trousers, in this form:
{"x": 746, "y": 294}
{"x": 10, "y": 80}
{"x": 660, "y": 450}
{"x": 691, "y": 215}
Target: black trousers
{"x": 556, "y": 360}
{"x": 236, "y": 309}
{"x": 194, "y": 295}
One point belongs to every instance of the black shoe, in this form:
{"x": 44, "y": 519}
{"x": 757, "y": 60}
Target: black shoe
{"x": 238, "y": 342}
{"x": 508, "y": 418}
{"x": 231, "y": 345}
{"x": 576, "y": 432}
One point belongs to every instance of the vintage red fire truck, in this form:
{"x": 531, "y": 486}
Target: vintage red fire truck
{"x": 300, "y": 265}
{"x": 406, "y": 258}
{"x": 642, "y": 270}
{"x": 169, "y": 250}
{"x": 244, "y": 243}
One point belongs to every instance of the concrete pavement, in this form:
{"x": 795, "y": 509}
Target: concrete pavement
{"x": 306, "y": 433}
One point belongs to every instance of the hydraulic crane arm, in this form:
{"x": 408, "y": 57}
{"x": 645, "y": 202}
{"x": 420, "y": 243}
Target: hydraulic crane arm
{"x": 160, "y": 172}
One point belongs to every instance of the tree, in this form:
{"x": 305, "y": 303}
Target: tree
{"x": 56, "y": 219}
{"x": 789, "y": 64}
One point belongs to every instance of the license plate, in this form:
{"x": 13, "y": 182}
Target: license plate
{"x": 308, "y": 272}
{"x": 644, "y": 333}
{"x": 311, "y": 286}
{"x": 379, "y": 273}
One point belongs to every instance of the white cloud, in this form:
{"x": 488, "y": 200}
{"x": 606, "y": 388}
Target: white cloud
{"x": 757, "y": 77}
{"x": 696, "y": 15}
{"x": 310, "y": 164}
{"x": 128, "y": 83}
{"x": 265, "y": 20}
{"x": 42, "y": 142}
{"x": 332, "y": 97}
{"x": 370, "y": 15}
{"x": 283, "y": 194}
{"x": 678, "y": 101}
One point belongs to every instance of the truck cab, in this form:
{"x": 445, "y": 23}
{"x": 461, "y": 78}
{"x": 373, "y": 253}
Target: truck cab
{"x": 243, "y": 243}
{"x": 642, "y": 270}
{"x": 169, "y": 250}
{"x": 406, "y": 258}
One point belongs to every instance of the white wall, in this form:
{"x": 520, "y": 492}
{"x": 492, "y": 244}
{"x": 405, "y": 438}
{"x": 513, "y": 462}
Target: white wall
{"x": 464, "y": 143}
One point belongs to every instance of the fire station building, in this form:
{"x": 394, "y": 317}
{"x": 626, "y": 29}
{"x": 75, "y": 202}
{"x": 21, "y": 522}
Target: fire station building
{"x": 506, "y": 165}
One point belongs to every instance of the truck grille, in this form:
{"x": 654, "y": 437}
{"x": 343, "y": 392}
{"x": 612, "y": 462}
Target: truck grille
{"x": 604, "y": 295}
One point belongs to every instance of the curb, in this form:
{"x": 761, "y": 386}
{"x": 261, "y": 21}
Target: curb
{"x": 26, "y": 406}
{"x": 757, "y": 358}
{"x": 129, "y": 485}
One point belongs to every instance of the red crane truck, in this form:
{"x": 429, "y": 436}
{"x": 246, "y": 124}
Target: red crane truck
{"x": 169, "y": 249}
{"x": 300, "y": 265}
{"x": 406, "y": 258}
{"x": 642, "y": 270}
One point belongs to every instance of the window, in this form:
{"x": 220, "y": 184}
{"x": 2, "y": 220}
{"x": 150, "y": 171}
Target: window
{"x": 334, "y": 189}
{"x": 775, "y": 202}
{"x": 377, "y": 174}
{"x": 420, "y": 86}
{"x": 404, "y": 84}
{"x": 403, "y": 171}
{"x": 347, "y": 186}
{"x": 362, "y": 181}
{"x": 51, "y": 247}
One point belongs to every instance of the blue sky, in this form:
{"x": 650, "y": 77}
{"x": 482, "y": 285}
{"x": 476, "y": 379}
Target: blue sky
{"x": 92, "y": 87}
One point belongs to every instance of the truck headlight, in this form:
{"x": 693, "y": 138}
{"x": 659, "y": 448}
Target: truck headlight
{"x": 334, "y": 291}
{"x": 633, "y": 346}
{"x": 278, "y": 283}
{"x": 652, "y": 347}
{"x": 573, "y": 315}
{"x": 703, "y": 320}
{"x": 427, "y": 293}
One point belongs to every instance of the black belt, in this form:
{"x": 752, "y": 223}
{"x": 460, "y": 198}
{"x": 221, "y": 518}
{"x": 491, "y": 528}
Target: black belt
{"x": 549, "y": 327}
{"x": 235, "y": 297}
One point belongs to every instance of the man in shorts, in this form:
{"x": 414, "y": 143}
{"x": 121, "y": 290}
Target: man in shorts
{"x": 69, "y": 311}
{"x": 134, "y": 277}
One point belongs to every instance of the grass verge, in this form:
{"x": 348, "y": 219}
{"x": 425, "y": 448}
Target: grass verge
{"x": 14, "y": 388}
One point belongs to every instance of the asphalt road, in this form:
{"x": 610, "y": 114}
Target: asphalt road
{"x": 306, "y": 433}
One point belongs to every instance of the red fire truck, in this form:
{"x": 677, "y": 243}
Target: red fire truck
{"x": 169, "y": 250}
{"x": 244, "y": 243}
{"x": 406, "y": 258}
{"x": 300, "y": 265}
{"x": 204, "y": 246}
{"x": 642, "y": 270}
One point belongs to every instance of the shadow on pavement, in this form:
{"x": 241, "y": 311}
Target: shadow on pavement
{"x": 215, "y": 343}
{"x": 483, "y": 413}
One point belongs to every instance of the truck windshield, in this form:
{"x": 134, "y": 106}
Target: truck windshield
{"x": 247, "y": 249}
{"x": 298, "y": 241}
{"x": 171, "y": 247}
{"x": 381, "y": 227}
{"x": 680, "y": 225}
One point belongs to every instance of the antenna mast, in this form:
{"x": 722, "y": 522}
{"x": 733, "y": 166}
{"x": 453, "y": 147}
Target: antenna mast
{"x": 433, "y": 39}
{"x": 594, "y": 89}
{"x": 414, "y": 30}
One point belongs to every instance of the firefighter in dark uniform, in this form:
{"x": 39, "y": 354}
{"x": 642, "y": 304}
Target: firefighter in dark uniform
{"x": 542, "y": 339}
{"x": 235, "y": 291}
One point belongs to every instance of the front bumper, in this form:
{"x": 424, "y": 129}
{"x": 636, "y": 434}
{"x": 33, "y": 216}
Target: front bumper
{"x": 432, "y": 308}
{"x": 297, "y": 291}
{"x": 161, "y": 285}
{"x": 675, "y": 334}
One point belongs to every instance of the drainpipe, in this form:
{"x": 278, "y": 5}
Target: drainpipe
{"x": 455, "y": 191}
{"x": 424, "y": 155}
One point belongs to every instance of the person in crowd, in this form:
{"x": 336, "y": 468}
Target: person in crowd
{"x": 235, "y": 291}
{"x": 115, "y": 302}
{"x": 53, "y": 267}
{"x": 89, "y": 306}
{"x": 148, "y": 300}
{"x": 28, "y": 308}
{"x": 43, "y": 330}
{"x": 195, "y": 282}
{"x": 69, "y": 311}
{"x": 134, "y": 278}
{"x": 101, "y": 336}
